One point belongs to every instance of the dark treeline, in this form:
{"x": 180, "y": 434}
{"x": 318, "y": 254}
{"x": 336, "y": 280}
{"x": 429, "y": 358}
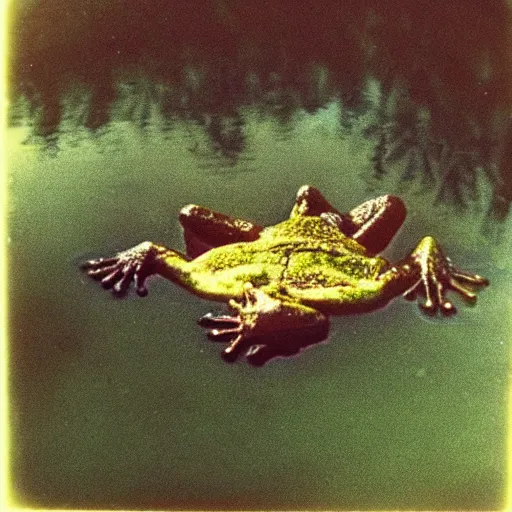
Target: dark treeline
{"x": 444, "y": 70}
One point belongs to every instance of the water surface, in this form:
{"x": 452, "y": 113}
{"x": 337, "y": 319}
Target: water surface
{"x": 125, "y": 404}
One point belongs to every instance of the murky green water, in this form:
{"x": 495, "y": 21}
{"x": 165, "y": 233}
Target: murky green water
{"x": 123, "y": 112}
{"x": 123, "y": 403}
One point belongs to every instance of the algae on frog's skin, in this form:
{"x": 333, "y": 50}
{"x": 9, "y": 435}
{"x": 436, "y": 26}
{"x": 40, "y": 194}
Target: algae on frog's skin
{"x": 313, "y": 231}
{"x": 331, "y": 271}
{"x": 305, "y": 251}
{"x": 325, "y": 268}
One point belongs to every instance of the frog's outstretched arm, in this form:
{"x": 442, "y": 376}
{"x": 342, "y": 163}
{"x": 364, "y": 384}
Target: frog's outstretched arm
{"x": 265, "y": 325}
{"x": 204, "y": 229}
{"x": 137, "y": 264}
{"x": 373, "y": 223}
{"x": 428, "y": 273}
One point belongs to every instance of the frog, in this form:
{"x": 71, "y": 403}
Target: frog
{"x": 282, "y": 283}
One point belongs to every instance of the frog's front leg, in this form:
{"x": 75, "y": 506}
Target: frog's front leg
{"x": 266, "y": 325}
{"x": 136, "y": 265}
{"x": 428, "y": 273}
{"x": 204, "y": 229}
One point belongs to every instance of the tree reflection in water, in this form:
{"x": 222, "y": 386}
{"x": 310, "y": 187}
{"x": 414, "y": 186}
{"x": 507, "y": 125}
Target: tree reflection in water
{"x": 443, "y": 70}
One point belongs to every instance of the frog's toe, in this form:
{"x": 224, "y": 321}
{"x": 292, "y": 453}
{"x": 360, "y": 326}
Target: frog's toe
{"x": 223, "y": 335}
{"x": 232, "y": 351}
{"x": 464, "y": 282}
{"x": 225, "y": 329}
{"x": 221, "y": 328}
{"x": 468, "y": 278}
{"x": 430, "y": 307}
{"x": 464, "y": 292}
{"x": 412, "y": 293}
{"x": 210, "y": 320}
{"x": 112, "y": 278}
{"x": 98, "y": 264}
{"x": 99, "y": 272}
{"x": 433, "y": 293}
{"x": 120, "y": 288}
{"x": 447, "y": 308}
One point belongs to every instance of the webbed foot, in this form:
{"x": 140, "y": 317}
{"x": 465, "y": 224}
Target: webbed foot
{"x": 265, "y": 326}
{"x": 117, "y": 273}
{"x": 437, "y": 276}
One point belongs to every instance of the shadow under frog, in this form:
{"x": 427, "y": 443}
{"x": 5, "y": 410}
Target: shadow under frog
{"x": 282, "y": 282}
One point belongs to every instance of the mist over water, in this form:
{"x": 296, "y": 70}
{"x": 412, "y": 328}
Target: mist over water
{"x": 120, "y": 114}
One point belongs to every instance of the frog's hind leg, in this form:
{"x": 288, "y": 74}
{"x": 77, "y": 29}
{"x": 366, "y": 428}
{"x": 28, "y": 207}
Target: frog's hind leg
{"x": 206, "y": 229}
{"x": 311, "y": 203}
{"x": 373, "y": 223}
